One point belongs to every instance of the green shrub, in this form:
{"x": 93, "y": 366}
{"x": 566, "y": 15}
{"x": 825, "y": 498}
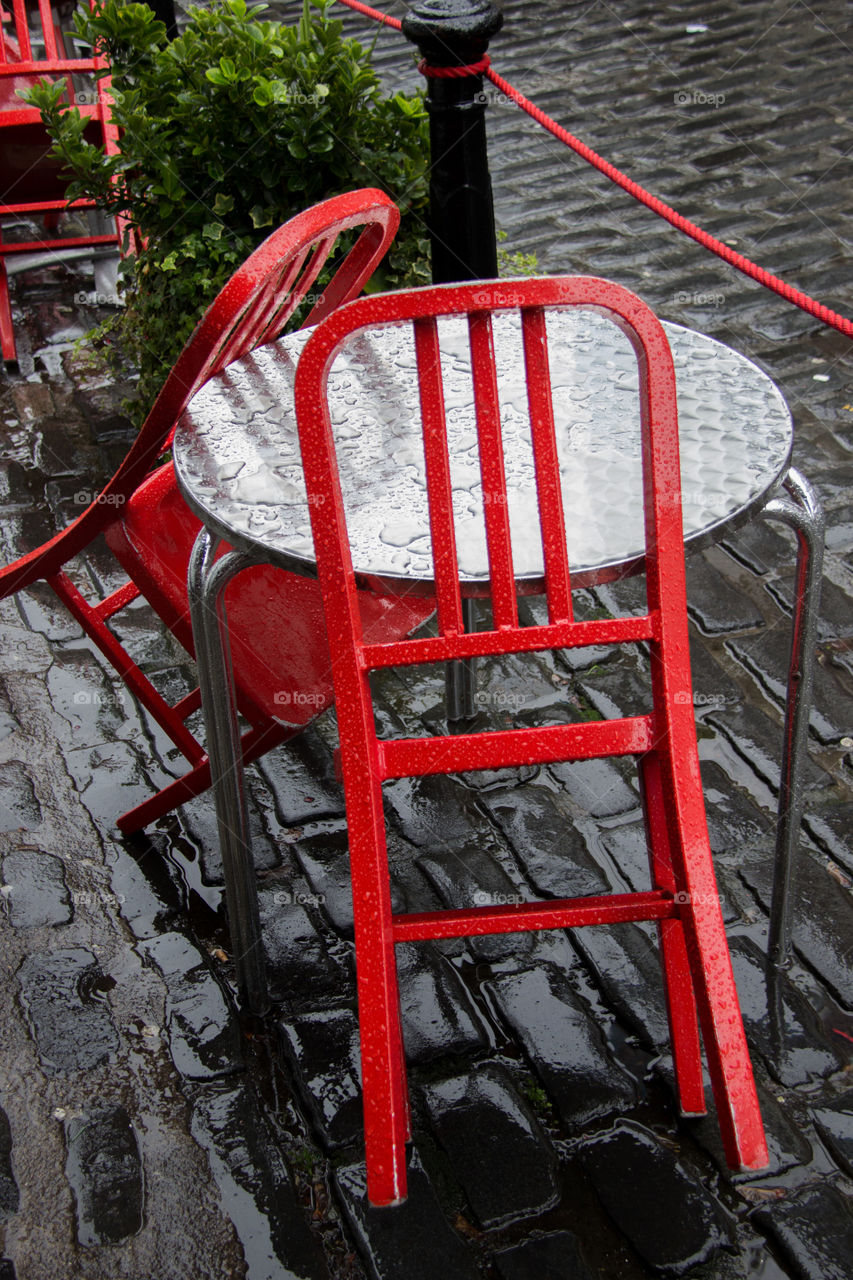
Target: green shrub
{"x": 226, "y": 132}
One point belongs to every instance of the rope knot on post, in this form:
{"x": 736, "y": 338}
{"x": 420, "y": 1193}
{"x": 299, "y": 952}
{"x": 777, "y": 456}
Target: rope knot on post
{"x": 454, "y": 73}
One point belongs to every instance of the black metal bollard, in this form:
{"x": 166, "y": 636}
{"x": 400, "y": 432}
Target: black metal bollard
{"x": 456, "y": 33}
{"x": 165, "y": 11}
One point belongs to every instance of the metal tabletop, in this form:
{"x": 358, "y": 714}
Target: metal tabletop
{"x": 238, "y": 464}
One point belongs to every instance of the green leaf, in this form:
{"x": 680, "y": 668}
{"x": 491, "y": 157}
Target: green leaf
{"x": 261, "y": 216}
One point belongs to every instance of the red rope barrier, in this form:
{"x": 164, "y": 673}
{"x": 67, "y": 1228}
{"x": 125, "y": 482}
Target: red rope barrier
{"x": 454, "y": 73}
{"x": 373, "y": 13}
{"x": 663, "y": 210}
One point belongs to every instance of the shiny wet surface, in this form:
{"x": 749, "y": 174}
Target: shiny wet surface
{"x": 238, "y": 463}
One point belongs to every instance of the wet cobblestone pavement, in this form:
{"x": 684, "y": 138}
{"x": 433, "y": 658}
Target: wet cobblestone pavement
{"x": 148, "y": 1132}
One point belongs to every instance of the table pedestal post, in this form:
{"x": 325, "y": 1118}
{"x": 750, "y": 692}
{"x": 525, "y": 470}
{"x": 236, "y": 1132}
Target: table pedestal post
{"x": 207, "y": 580}
{"x": 802, "y": 512}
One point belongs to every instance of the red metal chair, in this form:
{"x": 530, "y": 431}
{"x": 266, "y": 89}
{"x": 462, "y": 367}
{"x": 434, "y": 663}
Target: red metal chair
{"x": 683, "y": 897}
{"x": 275, "y": 618}
{"x": 35, "y": 44}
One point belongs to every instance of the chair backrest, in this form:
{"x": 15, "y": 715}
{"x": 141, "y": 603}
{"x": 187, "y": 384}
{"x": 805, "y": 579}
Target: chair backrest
{"x": 252, "y": 308}
{"x": 33, "y": 40}
{"x": 34, "y": 46}
{"x": 664, "y": 624}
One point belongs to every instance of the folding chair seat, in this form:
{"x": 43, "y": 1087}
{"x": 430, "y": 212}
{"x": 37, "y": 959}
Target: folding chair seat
{"x": 683, "y": 898}
{"x": 36, "y": 45}
{"x": 282, "y": 666}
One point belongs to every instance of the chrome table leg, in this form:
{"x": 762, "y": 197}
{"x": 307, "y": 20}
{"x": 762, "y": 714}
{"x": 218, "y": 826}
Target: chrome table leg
{"x": 461, "y": 677}
{"x": 207, "y": 580}
{"x": 801, "y": 511}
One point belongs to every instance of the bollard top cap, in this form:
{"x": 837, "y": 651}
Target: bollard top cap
{"x": 452, "y": 32}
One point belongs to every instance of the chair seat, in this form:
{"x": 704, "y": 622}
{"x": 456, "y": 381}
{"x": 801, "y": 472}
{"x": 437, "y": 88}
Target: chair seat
{"x": 282, "y": 669}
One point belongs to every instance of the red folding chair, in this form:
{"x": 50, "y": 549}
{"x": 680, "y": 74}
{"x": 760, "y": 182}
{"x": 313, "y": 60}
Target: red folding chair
{"x": 275, "y": 618}
{"x": 36, "y": 45}
{"x": 683, "y": 897}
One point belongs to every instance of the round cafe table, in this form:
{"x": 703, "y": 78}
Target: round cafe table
{"x": 238, "y": 466}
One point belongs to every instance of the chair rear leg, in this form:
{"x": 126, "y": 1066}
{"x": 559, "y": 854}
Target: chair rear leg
{"x": 713, "y": 980}
{"x": 678, "y": 980}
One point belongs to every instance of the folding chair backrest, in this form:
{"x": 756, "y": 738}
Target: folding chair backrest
{"x": 251, "y": 309}
{"x": 664, "y": 624}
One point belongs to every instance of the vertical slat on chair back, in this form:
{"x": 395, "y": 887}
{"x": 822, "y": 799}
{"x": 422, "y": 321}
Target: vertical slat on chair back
{"x": 549, "y": 493}
{"x": 492, "y": 471}
{"x": 51, "y": 50}
{"x": 439, "y": 486}
{"x": 21, "y": 32}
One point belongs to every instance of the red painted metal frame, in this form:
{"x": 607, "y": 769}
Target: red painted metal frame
{"x": 683, "y": 897}
{"x": 31, "y": 179}
{"x": 276, "y": 618}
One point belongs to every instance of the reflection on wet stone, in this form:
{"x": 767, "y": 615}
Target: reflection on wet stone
{"x": 104, "y": 1169}
{"x": 412, "y": 1240}
{"x": 70, "y": 1019}
{"x": 204, "y": 1038}
{"x": 669, "y": 1217}
{"x": 805, "y": 1052}
{"x": 564, "y": 1044}
{"x": 438, "y": 1015}
{"x": 835, "y": 1126}
{"x": 18, "y": 804}
{"x": 34, "y": 889}
{"x": 323, "y": 1048}
{"x": 555, "y": 1255}
{"x": 813, "y": 1232}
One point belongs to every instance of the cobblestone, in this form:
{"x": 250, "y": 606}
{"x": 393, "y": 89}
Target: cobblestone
{"x": 104, "y": 1171}
{"x": 638, "y": 1180}
{"x": 495, "y": 1146}
{"x": 568, "y": 1051}
{"x": 72, "y": 1027}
